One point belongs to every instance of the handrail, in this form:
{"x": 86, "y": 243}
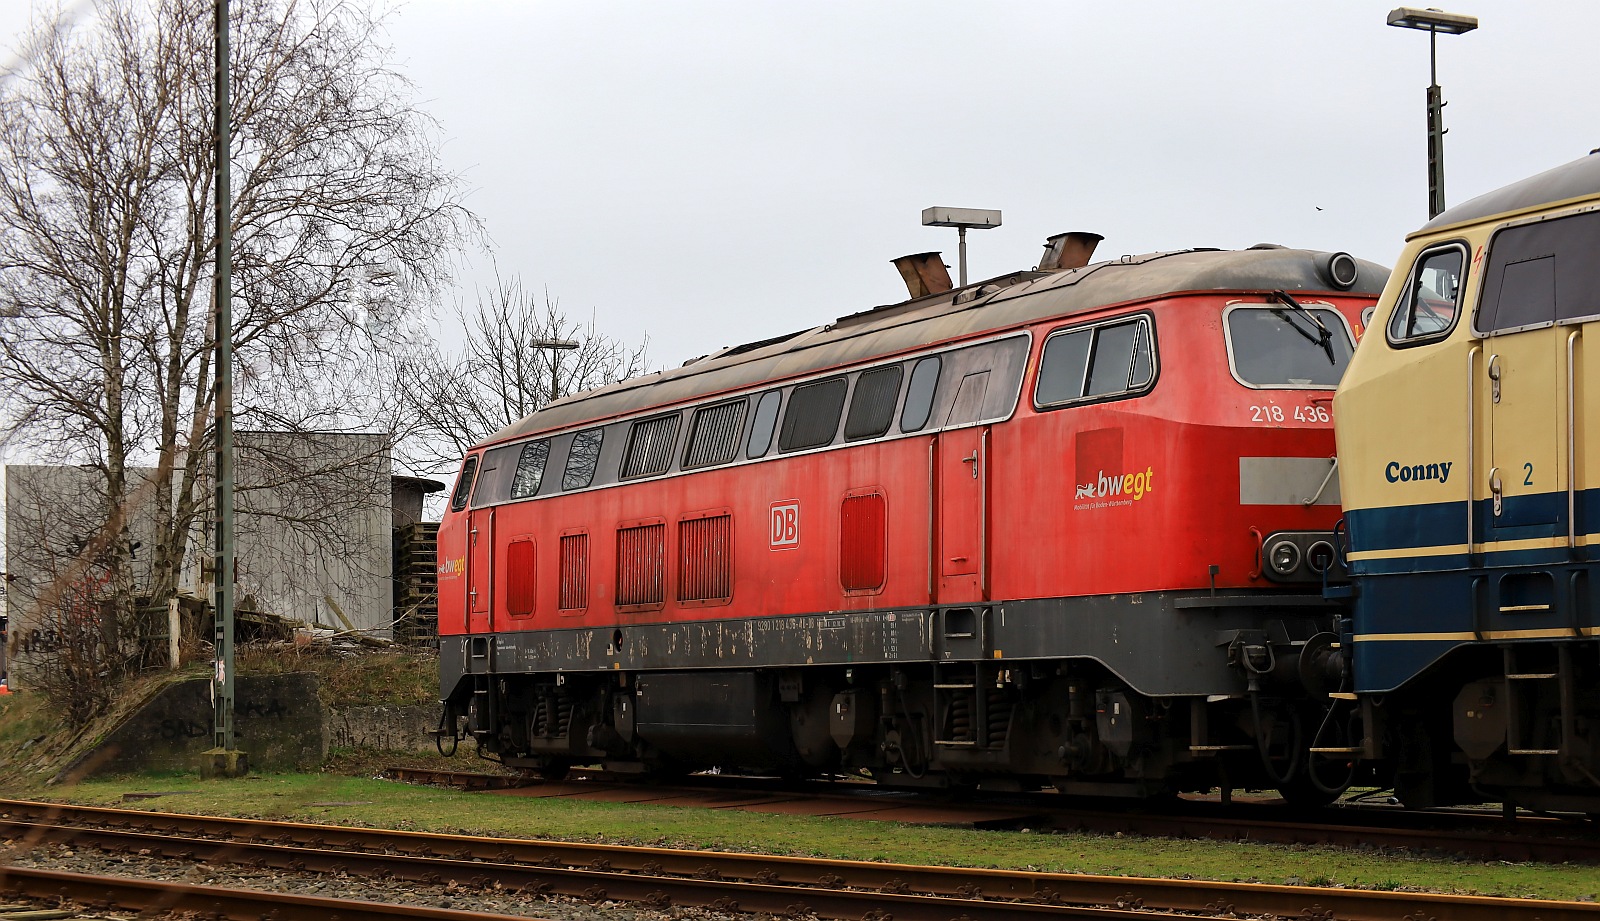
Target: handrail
{"x": 1472, "y": 453}
{"x": 488, "y": 609}
{"x": 1572, "y": 442}
{"x": 983, "y": 516}
{"x": 933, "y": 517}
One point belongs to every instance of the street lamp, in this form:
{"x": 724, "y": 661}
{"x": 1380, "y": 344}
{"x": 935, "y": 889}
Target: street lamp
{"x": 961, "y": 219}
{"x": 1433, "y": 22}
{"x": 554, "y": 345}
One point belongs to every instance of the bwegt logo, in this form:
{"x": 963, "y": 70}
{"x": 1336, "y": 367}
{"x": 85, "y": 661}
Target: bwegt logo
{"x": 1130, "y": 485}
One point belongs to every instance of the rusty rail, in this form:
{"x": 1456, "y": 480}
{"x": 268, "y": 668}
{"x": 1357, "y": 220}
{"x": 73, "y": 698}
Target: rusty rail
{"x": 780, "y": 885}
{"x": 214, "y": 901}
{"x": 1481, "y": 836}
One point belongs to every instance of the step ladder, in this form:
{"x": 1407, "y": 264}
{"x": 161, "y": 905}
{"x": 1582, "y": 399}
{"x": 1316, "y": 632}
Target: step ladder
{"x": 960, "y": 706}
{"x": 1527, "y": 684}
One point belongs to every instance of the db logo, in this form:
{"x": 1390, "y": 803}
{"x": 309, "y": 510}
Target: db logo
{"x": 785, "y": 530}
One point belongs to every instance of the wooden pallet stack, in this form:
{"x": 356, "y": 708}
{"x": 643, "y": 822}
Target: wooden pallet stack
{"x": 416, "y": 584}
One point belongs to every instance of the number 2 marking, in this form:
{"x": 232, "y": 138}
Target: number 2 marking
{"x": 1528, "y": 480}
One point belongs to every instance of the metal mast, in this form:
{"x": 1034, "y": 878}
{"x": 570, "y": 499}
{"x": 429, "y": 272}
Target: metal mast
{"x": 222, "y": 681}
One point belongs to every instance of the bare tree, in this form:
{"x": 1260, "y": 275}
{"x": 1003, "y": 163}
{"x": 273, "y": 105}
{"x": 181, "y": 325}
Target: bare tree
{"x": 502, "y": 372}
{"x": 343, "y": 219}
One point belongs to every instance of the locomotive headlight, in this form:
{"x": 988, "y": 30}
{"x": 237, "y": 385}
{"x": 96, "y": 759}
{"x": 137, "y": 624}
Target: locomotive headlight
{"x": 1319, "y": 556}
{"x": 1284, "y": 557}
{"x": 1342, "y": 271}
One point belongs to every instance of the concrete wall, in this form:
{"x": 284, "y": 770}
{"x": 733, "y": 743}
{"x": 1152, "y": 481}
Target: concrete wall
{"x": 278, "y": 722}
{"x": 383, "y": 728}
{"x": 314, "y": 538}
{"x": 51, "y": 512}
{"x": 315, "y": 529}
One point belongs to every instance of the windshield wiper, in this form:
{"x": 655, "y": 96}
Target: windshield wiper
{"x": 1324, "y": 337}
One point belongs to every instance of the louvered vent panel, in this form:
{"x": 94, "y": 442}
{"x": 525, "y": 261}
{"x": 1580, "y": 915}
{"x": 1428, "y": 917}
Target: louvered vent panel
{"x": 574, "y": 572}
{"x": 705, "y": 565}
{"x": 650, "y": 446}
{"x": 641, "y": 562}
{"x": 715, "y": 435}
{"x": 862, "y": 542}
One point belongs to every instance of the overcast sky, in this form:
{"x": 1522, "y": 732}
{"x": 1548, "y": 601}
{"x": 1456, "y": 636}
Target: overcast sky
{"x": 717, "y": 172}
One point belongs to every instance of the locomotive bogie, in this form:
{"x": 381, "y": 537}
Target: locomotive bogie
{"x": 1036, "y": 535}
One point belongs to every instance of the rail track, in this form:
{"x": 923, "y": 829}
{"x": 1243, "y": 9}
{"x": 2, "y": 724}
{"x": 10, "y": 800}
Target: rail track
{"x": 160, "y": 898}
{"x": 1479, "y": 835}
{"x": 728, "y": 882}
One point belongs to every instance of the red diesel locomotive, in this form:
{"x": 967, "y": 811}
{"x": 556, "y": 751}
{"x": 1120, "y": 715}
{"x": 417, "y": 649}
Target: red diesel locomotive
{"x": 1068, "y": 526}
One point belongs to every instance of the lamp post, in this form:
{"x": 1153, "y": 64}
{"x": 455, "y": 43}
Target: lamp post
{"x": 1433, "y": 22}
{"x": 554, "y": 345}
{"x": 961, "y": 219}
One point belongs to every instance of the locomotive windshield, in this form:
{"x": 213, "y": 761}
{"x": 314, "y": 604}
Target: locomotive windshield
{"x": 1287, "y": 346}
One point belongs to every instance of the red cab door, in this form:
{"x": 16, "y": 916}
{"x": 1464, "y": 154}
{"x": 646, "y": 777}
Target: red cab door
{"x": 961, "y": 512}
{"x": 480, "y": 571}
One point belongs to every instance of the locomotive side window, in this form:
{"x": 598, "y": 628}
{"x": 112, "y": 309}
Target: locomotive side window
{"x": 714, "y": 434}
{"x": 813, "y": 415}
{"x": 530, "y": 468}
{"x": 1098, "y": 362}
{"x": 1121, "y": 360}
{"x": 458, "y": 499}
{"x": 765, "y": 421}
{"x": 919, "y": 395}
{"x": 1541, "y": 273}
{"x": 872, "y": 405}
{"x": 650, "y": 444}
{"x": 582, "y": 457}
{"x": 1287, "y": 347}
{"x": 1062, "y": 368}
{"x": 1431, "y": 299}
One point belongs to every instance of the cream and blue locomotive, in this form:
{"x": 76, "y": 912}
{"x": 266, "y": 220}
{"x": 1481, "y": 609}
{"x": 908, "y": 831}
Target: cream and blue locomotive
{"x": 1468, "y": 428}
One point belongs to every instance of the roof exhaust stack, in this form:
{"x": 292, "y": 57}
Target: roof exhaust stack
{"x": 1069, "y": 251}
{"x": 924, "y": 273}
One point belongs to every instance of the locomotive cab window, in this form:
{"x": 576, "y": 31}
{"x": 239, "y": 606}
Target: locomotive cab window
{"x": 1096, "y": 362}
{"x": 1288, "y": 346}
{"x": 582, "y": 457}
{"x": 1541, "y": 273}
{"x": 458, "y": 499}
{"x": 1431, "y": 299}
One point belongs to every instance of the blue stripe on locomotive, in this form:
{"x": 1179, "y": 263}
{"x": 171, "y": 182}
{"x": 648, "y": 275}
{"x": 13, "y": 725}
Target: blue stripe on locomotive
{"x": 1431, "y": 604}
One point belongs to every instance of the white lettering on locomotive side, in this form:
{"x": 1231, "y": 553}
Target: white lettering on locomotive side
{"x": 785, "y": 530}
{"x": 1397, "y": 472}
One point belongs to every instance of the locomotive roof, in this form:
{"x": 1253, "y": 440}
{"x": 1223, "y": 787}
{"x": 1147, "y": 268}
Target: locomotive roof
{"x": 1578, "y": 179}
{"x": 994, "y": 304}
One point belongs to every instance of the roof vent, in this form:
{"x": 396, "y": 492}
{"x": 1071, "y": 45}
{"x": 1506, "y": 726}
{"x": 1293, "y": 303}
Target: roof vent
{"x": 1068, "y": 251}
{"x": 925, "y": 274}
